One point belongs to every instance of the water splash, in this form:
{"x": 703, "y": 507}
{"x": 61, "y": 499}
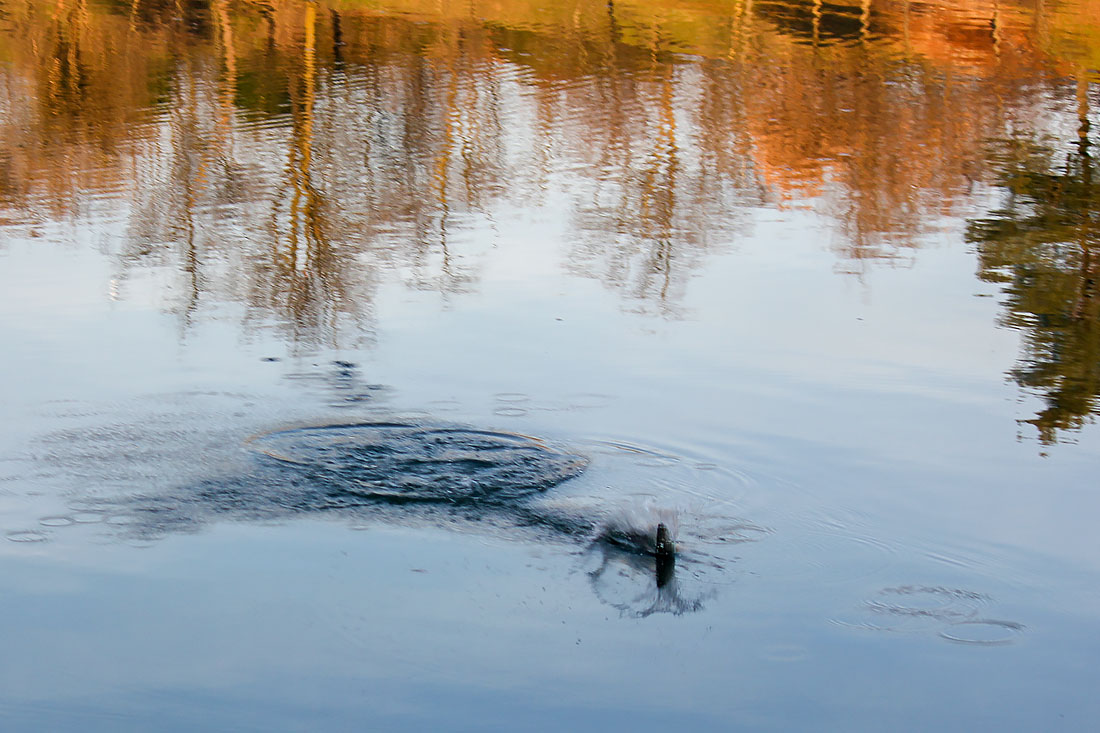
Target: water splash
{"x": 402, "y": 462}
{"x": 633, "y": 527}
{"x": 416, "y": 472}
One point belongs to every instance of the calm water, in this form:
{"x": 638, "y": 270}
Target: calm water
{"x": 813, "y": 284}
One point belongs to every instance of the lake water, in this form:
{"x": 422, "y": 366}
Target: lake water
{"x": 813, "y": 285}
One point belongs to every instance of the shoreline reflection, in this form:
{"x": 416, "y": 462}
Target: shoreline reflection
{"x": 295, "y": 157}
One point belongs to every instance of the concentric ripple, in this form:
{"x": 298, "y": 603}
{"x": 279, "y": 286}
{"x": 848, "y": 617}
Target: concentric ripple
{"x": 915, "y": 607}
{"x": 398, "y": 461}
{"x": 983, "y": 632}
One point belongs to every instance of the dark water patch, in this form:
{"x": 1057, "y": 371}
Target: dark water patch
{"x": 396, "y": 471}
{"x": 408, "y": 462}
{"x": 392, "y": 471}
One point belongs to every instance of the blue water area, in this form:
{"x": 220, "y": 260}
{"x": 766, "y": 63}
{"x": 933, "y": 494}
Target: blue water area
{"x": 526, "y": 367}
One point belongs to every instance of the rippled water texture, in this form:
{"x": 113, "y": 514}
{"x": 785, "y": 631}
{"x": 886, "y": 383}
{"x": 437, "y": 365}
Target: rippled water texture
{"x": 408, "y": 462}
{"x": 355, "y": 353}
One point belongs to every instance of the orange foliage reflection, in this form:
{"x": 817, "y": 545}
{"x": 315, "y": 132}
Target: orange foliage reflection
{"x": 287, "y": 152}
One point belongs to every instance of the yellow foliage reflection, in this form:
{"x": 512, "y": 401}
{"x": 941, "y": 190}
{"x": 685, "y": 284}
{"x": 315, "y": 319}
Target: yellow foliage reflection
{"x": 287, "y": 153}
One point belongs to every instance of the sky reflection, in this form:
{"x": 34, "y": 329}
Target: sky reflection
{"x": 815, "y": 280}
{"x": 294, "y": 157}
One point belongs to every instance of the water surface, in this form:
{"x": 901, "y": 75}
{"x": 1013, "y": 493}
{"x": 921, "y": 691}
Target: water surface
{"x": 812, "y": 284}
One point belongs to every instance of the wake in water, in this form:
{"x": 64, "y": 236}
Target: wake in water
{"x": 438, "y": 474}
{"x": 633, "y": 562}
{"x": 634, "y": 527}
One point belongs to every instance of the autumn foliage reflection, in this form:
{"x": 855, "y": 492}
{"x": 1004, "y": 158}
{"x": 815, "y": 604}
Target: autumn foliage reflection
{"x": 293, "y": 155}
{"x": 1043, "y": 247}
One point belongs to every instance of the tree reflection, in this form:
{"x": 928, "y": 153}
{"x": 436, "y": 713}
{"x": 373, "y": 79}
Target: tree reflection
{"x": 1041, "y": 247}
{"x": 294, "y": 155}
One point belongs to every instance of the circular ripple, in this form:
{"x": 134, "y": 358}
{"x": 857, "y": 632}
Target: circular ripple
{"x": 511, "y": 397}
{"x": 912, "y": 607}
{"x": 121, "y": 520}
{"x": 982, "y": 632}
{"x": 400, "y": 461}
{"x": 56, "y": 521}
{"x": 640, "y": 456}
{"x": 937, "y": 602}
{"x": 510, "y": 411}
{"x": 30, "y": 535}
